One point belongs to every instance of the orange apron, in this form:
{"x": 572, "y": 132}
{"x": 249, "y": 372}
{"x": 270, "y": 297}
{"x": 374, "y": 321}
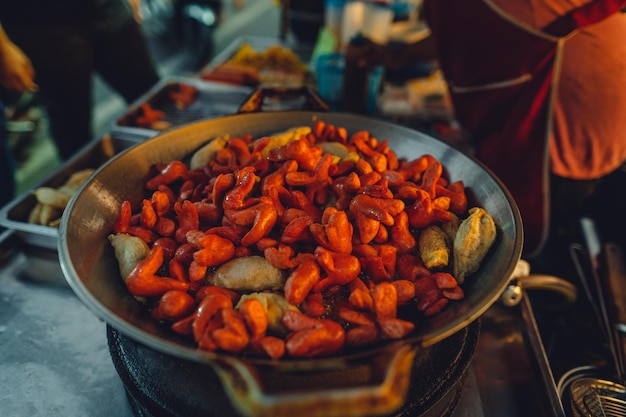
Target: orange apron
{"x": 502, "y": 75}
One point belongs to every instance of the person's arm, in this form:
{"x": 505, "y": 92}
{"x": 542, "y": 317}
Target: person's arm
{"x": 135, "y": 6}
{"x": 16, "y": 71}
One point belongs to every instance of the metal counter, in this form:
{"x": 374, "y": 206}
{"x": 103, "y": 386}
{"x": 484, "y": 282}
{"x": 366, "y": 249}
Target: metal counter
{"x": 54, "y": 359}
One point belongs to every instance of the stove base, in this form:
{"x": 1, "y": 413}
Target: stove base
{"x": 159, "y": 385}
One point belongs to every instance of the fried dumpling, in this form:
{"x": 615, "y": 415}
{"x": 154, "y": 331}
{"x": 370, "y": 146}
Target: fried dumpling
{"x": 475, "y": 236}
{"x": 434, "y": 248}
{"x": 129, "y": 251}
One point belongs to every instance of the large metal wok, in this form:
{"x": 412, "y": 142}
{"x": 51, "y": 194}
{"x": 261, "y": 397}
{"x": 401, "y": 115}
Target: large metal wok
{"x": 379, "y": 376}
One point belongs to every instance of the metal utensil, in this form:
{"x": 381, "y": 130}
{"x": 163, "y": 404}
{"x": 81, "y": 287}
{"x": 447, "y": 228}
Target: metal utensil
{"x": 613, "y": 276}
{"x": 588, "y": 263}
{"x": 602, "y": 273}
{"x": 593, "y": 397}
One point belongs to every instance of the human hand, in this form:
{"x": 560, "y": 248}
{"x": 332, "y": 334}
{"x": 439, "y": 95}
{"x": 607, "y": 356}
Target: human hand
{"x": 16, "y": 71}
{"x": 135, "y": 6}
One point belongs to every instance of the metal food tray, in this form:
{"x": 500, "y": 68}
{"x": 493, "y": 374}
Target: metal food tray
{"x": 14, "y": 215}
{"x": 214, "y": 99}
{"x": 259, "y": 44}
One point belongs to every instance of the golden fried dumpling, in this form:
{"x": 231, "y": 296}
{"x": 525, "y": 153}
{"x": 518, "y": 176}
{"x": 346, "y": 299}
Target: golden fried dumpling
{"x": 129, "y": 251}
{"x": 248, "y": 273}
{"x": 275, "y": 306}
{"x": 450, "y": 228}
{"x": 475, "y": 236}
{"x": 433, "y": 247}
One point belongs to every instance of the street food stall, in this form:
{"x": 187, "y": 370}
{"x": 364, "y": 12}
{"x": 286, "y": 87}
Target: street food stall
{"x": 74, "y": 341}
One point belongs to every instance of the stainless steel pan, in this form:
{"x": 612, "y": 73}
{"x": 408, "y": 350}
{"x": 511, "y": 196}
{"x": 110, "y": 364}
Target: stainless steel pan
{"x": 91, "y": 270}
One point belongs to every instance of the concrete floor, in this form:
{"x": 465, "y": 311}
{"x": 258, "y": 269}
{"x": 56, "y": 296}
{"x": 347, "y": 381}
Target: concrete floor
{"x": 35, "y": 152}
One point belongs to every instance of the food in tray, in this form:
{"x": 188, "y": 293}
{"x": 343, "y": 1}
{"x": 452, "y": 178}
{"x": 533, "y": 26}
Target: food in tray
{"x": 233, "y": 74}
{"x": 275, "y": 57}
{"x": 183, "y": 95}
{"x": 152, "y": 115}
{"x": 304, "y": 243}
{"x": 151, "y": 118}
{"x": 276, "y": 65}
{"x": 51, "y": 202}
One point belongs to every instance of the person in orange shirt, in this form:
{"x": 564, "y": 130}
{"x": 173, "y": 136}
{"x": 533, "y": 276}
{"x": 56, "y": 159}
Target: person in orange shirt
{"x": 541, "y": 87}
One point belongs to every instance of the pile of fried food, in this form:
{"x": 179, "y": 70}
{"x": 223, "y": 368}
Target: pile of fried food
{"x": 305, "y": 243}
{"x": 51, "y": 201}
{"x": 276, "y": 65}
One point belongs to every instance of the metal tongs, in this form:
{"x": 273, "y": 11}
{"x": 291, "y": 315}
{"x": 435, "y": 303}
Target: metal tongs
{"x": 613, "y": 275}
{"x": 602, "y": 271}
{"x": 605, "y": 267}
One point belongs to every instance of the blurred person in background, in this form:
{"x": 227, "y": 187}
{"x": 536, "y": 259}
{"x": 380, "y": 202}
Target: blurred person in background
{"x": 194, "y": 24}
{"x": 16, "y": 77}
{"x": 306, "y": 18}
{"x": 68, "y": 41}
{"x": 541, "y": 87}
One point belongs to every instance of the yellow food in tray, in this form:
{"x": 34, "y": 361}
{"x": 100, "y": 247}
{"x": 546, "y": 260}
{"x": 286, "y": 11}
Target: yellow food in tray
{"x": 52, "y": 201}
{"x": 275, "y": 65}
{"x": 275, "y": 57}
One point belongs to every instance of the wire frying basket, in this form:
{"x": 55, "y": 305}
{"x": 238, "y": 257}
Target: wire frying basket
{"x": 593, "y": 397}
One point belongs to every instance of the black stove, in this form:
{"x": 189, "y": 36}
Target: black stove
{"x": 161, "y": 385}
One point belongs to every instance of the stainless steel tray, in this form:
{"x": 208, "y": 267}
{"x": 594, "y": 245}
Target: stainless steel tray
{"x": 14, "y": 215}
{"x": 258, "y": 43}
{"x": 213, "y": 99}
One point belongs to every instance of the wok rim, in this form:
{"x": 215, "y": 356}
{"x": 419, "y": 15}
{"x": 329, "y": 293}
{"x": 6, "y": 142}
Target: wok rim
{"x": 190, "y": 352}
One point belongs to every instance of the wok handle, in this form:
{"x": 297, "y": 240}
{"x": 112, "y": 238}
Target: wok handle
{"x": 522, "y": 280}
{"x": 373, "y": 387}
{"x": 283, "y": 98}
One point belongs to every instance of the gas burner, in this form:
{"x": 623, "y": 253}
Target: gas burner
{"x": 161, "y": 385}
